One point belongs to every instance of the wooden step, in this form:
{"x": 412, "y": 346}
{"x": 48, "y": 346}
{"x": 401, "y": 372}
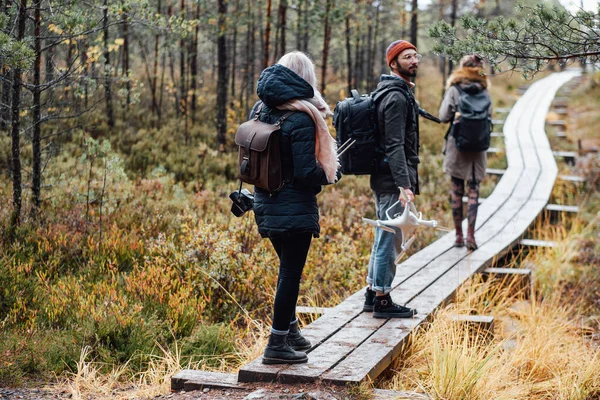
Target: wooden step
{"x": 495, "y": 150}
{"x": 497, "y": 134}
{"x": 479, "y": 323}
{"x": 561, "y": 134}
{"x": 518, "y": 279}
{"x": 498, "y": 122}
{"x": 562, "y": 208}
{"x": 495, "y": 171}
{"x": 572, "y": 178}
{"x": 537, "y": 243}
{"x": 558, "y": 122}
{"x": 189, "y": 380}
{"x": 502, "y": 110}
{"x": 568, "y": 156}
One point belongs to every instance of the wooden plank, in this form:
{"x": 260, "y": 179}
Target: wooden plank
{"x": 562, "y": 208}
{"x": 188, "y": 380}
{"x": 384, "y": 394}
{"x": 572, "y": 178}
{"x": 312, "y": 310}
{"x": 497, "y": 134}
{"x": 495, "y": 150}
{"x": 386, "y": 344}
{"x": 374, "y": 355}
{"x": 495, "y": 171}
{"x": 561, "y": 134}
{"x": 558, "y": 122}
{"x": 519, "y": 280}
{"x": 479, "y": 323}
{"x": 537, "y": 243}
{"x": 498, "y": 121}
{"x": 502, "y": 110}
{"x": 336, "y": 349}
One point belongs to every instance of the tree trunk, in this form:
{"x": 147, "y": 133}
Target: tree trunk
{"x": 182, "y": 62}
{"x": 283, "y": 4}
{"x": 194, "y": 64}
{"x": 452, "y": 22}
{"x": 414, "y": 13}
{"x": 234, "y": 48}
{"x": 348, "y": 35}
{"x": 126, "y": 57}
{"x": 222, "y": 77}
{"x": 299, "y": 24}
{"x": 153, "y": 88}
{"x": 267, "y": 35}
{"x": 15, "y": 219}
{"x": 36, "y": 113}
{"x": 305, "y": 27}
{"x": 107, "y": 85}
{"x": 251, "y": 62}
{"x": 403, "y": 20}
{"x": 326, "y": 40}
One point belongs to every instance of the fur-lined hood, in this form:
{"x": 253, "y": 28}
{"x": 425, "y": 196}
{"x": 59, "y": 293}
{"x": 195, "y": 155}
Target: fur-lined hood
{"x": 468, "y": 75}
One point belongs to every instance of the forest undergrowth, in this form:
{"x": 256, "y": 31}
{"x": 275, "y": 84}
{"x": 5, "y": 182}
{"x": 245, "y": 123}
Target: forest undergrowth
{"x": 137, "y": 269}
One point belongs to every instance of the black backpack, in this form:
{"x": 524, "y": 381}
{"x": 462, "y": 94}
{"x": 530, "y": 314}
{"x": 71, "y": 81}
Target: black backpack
{"x": 355, "y": 118}
{"x": 472, "y": 129}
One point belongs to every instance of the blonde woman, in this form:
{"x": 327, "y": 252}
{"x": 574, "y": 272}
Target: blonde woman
{"x": 289, "y": 218}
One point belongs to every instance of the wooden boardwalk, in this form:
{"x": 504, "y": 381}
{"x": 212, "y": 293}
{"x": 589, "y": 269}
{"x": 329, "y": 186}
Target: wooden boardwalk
{"x": 350, "y": 346}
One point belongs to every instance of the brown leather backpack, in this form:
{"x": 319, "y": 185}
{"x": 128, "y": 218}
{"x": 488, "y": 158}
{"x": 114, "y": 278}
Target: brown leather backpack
{"x": 259, "y": 153}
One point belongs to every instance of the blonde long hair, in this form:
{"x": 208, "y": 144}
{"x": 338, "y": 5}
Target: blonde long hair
{"x": 302, "y": 65}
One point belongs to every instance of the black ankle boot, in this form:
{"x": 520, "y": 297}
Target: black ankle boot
{"x": 295, "y": 340}
{"x": 385, "y": 308}
{"x": 279, "y": 352}
{"x": 369, "y": 300}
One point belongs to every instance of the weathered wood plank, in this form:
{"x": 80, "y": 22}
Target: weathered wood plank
{"x": 312, "y": 310}
{"x": 562, "y": 208}
{"x": 495, "y": 171}
{"x": 537, "y": 243}
{"x": 336, "y": 349}
{"x": 479, "y": 323}
{"x": 188, "y": 380}
{"x": 572, "y": 178}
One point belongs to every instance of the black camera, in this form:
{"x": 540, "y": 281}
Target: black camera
{"x": 242, "y": 200}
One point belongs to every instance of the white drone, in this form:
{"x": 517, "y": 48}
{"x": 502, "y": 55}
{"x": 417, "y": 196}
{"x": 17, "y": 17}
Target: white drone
{"x": 407, "y": 222}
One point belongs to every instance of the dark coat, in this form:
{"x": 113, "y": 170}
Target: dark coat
{"x": 397, "y": 117}
{"x": 293, "y": 209}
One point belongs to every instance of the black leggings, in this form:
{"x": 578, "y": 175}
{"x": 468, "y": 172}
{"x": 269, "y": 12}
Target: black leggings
{"x": 292, "y": 252}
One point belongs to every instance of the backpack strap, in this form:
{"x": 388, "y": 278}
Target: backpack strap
{"x": 460, "y": 91}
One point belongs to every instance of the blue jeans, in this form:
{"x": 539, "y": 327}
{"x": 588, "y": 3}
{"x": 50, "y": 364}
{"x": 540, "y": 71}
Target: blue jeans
{"x": 387, "y": 246}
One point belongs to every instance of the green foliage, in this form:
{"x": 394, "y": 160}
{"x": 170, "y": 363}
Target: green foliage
{"x": 212, "y": 345}
{"x": 540, "y": 36}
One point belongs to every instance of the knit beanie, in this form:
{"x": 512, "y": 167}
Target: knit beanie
{"x": 396, "y": 48}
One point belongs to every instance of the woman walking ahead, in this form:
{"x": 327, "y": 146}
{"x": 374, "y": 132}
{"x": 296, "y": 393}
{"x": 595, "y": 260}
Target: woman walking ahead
{"x": 464, "y": 165}
{"x": 290, "y": 216}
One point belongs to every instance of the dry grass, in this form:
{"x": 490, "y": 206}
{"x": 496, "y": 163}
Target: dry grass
{"x": 541, "y": 347}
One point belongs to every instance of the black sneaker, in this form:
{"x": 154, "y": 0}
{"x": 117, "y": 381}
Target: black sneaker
{"x": 384, "y": 307}
{"x": 369, "y": 300}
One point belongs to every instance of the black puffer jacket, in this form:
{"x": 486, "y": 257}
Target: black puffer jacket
{"x": 397, "y": 116}
{"x": 293, "y": 209}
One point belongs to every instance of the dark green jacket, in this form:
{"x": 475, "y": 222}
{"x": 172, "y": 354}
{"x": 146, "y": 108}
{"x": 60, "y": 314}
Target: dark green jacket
{"x": 398, "y": 127}
{"x": 293, "y": 209}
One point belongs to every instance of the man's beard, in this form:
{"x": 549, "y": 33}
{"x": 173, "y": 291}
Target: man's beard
{"x": 407, "y": 72}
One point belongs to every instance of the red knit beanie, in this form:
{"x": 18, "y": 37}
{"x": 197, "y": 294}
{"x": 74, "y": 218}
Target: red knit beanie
{"x": 396, "y": 48}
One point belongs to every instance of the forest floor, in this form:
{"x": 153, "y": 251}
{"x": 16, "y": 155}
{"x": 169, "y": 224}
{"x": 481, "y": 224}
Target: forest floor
{"x": 256, "y": 391}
